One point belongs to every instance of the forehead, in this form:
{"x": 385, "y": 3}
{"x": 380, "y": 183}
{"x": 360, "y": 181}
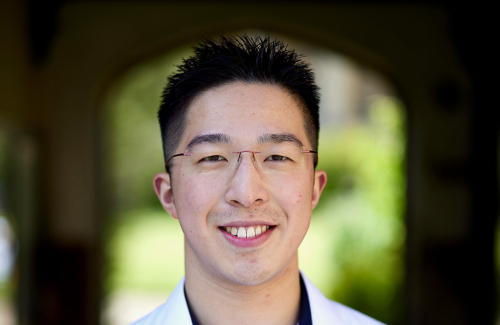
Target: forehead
{"x": 244, "y": 112}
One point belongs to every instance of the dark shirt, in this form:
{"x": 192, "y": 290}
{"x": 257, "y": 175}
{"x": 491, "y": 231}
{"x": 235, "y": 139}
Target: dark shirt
{"x": 304, "y": 307}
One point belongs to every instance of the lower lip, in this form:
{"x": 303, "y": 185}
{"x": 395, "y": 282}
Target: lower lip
{"x": 247, "y": 242}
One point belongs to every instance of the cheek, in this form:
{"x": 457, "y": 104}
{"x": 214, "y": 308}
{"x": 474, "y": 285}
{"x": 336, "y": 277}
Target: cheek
{"x": 295, "y": 193}
{"x": 194, "y": 199}
{"x": 295, "y": 197}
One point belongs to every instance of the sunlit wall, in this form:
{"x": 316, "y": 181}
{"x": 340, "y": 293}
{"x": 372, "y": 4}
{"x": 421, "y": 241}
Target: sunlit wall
{"x": 8, "y": 243}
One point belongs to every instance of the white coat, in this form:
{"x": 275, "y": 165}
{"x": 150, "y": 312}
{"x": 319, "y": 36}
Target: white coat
{"x": 323, "y": 310}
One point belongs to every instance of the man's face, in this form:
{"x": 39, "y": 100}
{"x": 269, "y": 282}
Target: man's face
{"x": 244, "y": 116}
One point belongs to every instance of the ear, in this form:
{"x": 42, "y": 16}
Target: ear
{"x": 319, "y": 185}
{"x": 163, "y": 189}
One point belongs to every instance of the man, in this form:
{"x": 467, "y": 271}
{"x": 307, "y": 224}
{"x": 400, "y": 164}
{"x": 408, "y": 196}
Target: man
{"x": 240, "y": 126}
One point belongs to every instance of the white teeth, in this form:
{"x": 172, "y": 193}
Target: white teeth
{"x": 250, "y": 232}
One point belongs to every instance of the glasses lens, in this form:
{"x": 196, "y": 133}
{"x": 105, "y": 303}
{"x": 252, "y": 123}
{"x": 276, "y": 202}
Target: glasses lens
{"x": 280, "y": 158}
{"x": 284, "y": 158}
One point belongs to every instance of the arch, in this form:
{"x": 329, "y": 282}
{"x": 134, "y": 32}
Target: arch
{"x": 98, "y": 40}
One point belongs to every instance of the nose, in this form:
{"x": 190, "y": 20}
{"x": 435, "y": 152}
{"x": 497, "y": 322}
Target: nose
{"x": 246, "y": 186}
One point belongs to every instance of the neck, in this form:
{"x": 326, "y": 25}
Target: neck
{"x": 217, "y": 301}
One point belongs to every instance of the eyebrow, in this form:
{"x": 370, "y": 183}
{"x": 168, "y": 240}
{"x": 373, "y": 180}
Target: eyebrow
{"x": 210, "y": 138}
{"x": 279, "y": 138}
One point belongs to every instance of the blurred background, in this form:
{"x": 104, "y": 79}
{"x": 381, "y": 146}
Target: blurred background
{"x": 406, "y": 230}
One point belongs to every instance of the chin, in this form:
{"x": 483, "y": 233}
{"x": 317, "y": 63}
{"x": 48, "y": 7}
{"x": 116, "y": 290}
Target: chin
{"x": 252, "y": 275}
{"x": 249, "y": 278}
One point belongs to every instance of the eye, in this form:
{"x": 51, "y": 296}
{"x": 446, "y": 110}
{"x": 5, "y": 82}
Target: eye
{"x": 277, "y": 158}
{"x": 214, "y": 158}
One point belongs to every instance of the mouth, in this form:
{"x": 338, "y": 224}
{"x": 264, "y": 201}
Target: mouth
{"x": 247, "y": 232}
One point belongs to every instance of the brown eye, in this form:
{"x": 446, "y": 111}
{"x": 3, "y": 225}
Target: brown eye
{"x": 277, "y": 158}
{"x": 213, "y": 158}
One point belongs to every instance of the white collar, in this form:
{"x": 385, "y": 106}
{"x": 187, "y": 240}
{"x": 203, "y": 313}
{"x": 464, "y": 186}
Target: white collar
{"x": 323, "y": 310}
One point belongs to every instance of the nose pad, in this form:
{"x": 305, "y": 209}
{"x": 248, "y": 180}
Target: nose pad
{"x": 254, "y": 160}
{"x": 246, "y": 184}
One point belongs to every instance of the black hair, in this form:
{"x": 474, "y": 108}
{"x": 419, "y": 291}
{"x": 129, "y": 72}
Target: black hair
{"x": 236, "y": 59}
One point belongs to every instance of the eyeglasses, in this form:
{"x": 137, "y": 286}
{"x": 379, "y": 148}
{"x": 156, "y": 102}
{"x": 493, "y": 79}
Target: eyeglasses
{"x": 281, "y": 158}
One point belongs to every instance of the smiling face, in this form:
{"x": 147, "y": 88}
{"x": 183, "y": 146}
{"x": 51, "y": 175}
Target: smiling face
{"x": 221, "y": 214}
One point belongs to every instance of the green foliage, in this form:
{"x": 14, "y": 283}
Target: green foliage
{"x": 362, "y": 208}
{"x": 133, "y": 139}
{"x": 139, "y": 235}
{"x": 146, "y": 252}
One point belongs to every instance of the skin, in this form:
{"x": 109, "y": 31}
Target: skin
{"x": 226, "y": 284}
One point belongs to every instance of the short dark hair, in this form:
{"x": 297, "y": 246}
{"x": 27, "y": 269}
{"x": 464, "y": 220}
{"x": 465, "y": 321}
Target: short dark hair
{"x": 236, "y": 59}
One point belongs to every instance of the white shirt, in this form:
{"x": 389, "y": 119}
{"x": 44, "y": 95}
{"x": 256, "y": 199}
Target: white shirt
{"x": 323, "y": 311}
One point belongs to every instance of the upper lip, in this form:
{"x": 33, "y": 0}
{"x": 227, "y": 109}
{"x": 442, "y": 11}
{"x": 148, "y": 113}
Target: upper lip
{"x": 252, "y": 223}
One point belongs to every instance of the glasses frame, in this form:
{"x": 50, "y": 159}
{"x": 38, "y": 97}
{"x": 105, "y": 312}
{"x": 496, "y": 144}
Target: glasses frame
{"x": 239, "y": 158}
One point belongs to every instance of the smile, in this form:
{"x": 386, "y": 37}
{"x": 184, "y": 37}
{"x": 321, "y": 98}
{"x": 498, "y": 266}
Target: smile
{"x": 246, "y": 232}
